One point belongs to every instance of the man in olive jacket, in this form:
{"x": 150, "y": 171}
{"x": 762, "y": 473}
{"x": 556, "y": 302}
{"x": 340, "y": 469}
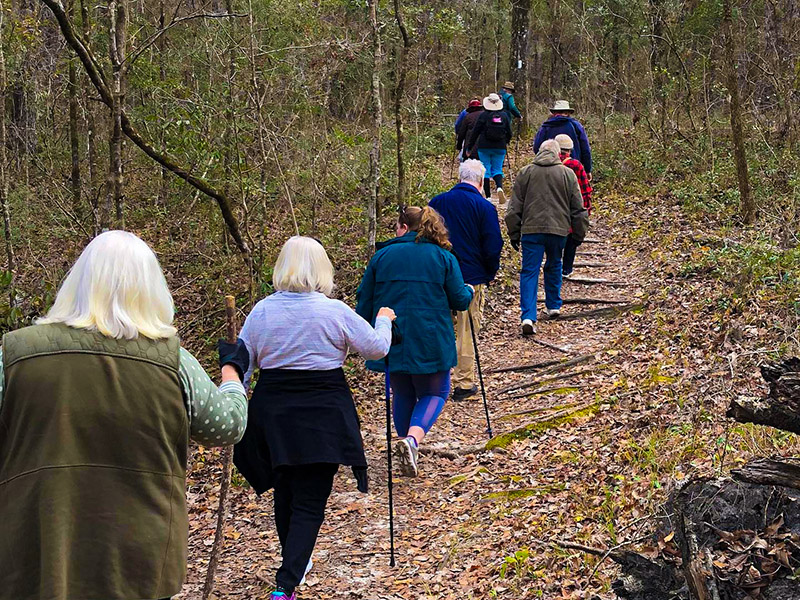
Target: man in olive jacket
{"x": 545, "y": 204}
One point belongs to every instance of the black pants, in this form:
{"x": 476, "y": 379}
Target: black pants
{"x": 301, "y": 494}
{"x": 570, "y": 249}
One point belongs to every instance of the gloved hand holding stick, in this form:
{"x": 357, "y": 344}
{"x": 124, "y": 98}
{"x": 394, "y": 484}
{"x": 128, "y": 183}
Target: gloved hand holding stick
{"x": 228, "y": 355}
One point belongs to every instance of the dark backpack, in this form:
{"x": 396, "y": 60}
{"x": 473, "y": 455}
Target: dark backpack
{"x": 495, "y": 127}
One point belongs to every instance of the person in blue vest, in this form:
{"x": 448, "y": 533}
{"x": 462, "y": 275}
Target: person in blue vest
{"x": 509, "y": 105}
{"x": 477, "y": 243}
{"x": 562, "y": 121}
{"x": 421, "y": 278}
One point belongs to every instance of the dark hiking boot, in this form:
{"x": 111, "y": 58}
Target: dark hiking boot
{"x": 464, "y": 393}
{"x": 407, "y": 453}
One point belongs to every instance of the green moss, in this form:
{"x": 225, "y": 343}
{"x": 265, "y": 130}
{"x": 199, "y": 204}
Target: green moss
{"x": 504, "y": 439}
{"x": 535, "y": 412}
{"x": 511, "y": 495}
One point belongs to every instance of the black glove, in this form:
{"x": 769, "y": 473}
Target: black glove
{"x": 397, "y": 337}
{"x": 515, "y": 245}
{"x": 235, "y": 355}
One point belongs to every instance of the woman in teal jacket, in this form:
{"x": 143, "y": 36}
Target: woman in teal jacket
{"x": 417, "y": 275}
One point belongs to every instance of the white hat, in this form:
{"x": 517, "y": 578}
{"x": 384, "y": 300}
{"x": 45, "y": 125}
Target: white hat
{"x": 562, "y": 106}
{"x": 564, "y": 141}
{"x": 492, "y": 102}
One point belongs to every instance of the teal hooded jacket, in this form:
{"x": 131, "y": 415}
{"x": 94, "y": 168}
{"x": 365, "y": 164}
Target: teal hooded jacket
{"x": 422, "y": 282}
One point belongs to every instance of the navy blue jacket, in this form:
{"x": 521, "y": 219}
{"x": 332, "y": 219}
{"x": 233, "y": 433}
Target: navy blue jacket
{"x": 422, "y": 283}
{"x": 558, "y": 124}
{"x": 474, "y": 231}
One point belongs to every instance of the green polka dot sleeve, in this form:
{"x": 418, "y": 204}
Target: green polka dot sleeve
{"x": 218, "y": 415}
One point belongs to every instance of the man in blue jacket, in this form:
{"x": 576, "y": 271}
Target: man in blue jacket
{"x": 477, "y": 242}
{"x": 561, "y": 121}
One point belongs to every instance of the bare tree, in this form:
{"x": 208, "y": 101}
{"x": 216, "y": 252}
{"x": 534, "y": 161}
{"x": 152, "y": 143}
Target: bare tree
{"x": 74, "y": 141}
{"x": 375, "y": 153}
{"x": 4, "y": 178}
{"x": 520, "y": 25}
{"x": 747, "y": 204}
{"x": 400, "y": 90}
{"x": 117, "y": 18}
{"x": 100, "y": 83}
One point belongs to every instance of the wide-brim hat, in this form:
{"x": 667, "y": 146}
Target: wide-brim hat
{"x": 509, "y": 85}
{"x": 564, "y": 141}
{"x": 562, "y": 106}
{"x": 492, "y": 102}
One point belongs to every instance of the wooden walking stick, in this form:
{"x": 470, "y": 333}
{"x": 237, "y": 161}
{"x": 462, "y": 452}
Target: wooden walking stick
{"x": 231, "y": 330}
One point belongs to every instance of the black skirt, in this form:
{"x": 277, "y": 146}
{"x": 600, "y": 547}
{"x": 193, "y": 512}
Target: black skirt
{"x": 300, "y": 418}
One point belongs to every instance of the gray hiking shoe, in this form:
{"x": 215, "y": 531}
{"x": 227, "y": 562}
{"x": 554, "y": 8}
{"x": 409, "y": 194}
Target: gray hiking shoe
{"x": 528, "y": 327}
{"x": 553, "y": 314}
{"x": 501, "y": 196}
{"x": 407, "y": 453}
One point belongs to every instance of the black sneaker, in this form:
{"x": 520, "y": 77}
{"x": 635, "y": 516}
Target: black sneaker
{"x": 464, "y": 393}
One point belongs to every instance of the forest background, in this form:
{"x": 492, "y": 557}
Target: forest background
{"x": 217, "y": 129}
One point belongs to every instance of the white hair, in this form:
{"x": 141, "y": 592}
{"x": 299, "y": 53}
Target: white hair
{"x": 472, "y": 170}
{"x": 303, "y": 266}
{"x": 115, "y": 287}
{"x": 552, "y": 146}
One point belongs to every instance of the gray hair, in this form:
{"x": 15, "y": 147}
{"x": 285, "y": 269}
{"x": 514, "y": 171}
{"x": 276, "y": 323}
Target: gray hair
{"x": 550, "y": 146}
{"x": 472, "y": 170}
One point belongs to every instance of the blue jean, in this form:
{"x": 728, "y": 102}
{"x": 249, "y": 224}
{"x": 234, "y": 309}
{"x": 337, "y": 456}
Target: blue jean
{"x": 492, "y": 159}
{"x": 418, "y": 400}
{"x": 569, "y": 255}
{"x": 534, "y": 247}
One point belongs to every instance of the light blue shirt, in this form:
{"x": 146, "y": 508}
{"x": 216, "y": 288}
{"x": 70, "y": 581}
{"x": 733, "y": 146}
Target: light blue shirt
{"x": 309, "y": 331}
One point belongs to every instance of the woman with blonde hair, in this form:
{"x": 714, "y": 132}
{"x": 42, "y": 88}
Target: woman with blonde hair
{"x": 97, "y": 405}
{"x": 303, "y": 422}
{"x": 419, "y": 277}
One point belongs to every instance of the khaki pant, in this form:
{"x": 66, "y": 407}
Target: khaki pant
{"x": 464, "y": 373}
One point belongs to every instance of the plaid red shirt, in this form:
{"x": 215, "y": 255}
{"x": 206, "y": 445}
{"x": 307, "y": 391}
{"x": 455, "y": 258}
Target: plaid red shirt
{"x": 583, "y": 180}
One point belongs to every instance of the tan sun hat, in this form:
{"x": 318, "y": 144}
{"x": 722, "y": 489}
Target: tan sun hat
{"x": 492, "y": 102}
{"x": 564, "y": 141}
{"x": 509, "y": 85}
{"x": 562, "y": 106}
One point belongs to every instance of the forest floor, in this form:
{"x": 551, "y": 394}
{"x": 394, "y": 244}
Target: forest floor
{"x": 585, "y": 453}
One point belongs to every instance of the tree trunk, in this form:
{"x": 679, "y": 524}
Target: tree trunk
{"x": 74, "y": 142}
{"x": 375, "y": 153}
{"x": 747, "y": 203}
{"x": 400, "y": 90}
{"x": 4, "y": 176}
{"x": 518, "y": 68}
{"x": 91, "y": 151}
{"x": 116, "y": 47}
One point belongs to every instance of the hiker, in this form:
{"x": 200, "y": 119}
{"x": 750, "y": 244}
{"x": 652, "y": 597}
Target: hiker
{"x": 561, "y": 121}
{"x": 98, "y": 406}
{"x": 418, "y": 275}
{"x": 474, "y": 111}
{"x": 460, "y": 117}
{"x": 303, "y": 423}
{"x": 571, "y": 247}
{"x": 491, "y": 135}
{"x": 509, "y": 105}
{"x": 477, "y": 242}
{"x": 545, "y": 204}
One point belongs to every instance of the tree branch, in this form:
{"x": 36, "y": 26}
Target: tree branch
{"x": 162, "y": 158}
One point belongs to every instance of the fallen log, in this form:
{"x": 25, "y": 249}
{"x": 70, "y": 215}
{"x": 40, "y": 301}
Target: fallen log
{"x": 781, "y": 407}
{"x": 591, "y": 265}
{"x": 770, "y": 471}
{"x": 541, "y": 342}
{"x": 524, "y": 366}
{"x": 612, "y": 311}
{"x": 536, "y": 382}
{"x": 590, "y": 281}
{"x": 573, "y": 362}
{"x": 588, "y": 301}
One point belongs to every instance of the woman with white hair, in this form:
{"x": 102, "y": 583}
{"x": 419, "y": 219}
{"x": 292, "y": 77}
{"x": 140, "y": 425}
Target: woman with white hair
{"x": 303, "y": 423}
{"x": 97, "y": 404}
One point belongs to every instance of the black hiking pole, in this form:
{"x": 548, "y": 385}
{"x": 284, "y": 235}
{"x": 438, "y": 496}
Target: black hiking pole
{"x": 397, "y": 337}
{"x": 480, "y": 374}
{"x": 390, "y": 483}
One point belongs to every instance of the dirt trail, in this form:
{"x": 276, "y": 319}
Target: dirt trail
{"x": 463, "y": 515}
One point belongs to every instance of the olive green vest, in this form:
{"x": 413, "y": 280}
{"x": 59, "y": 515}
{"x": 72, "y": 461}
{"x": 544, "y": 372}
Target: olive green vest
{"x": 93, "y": 446}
